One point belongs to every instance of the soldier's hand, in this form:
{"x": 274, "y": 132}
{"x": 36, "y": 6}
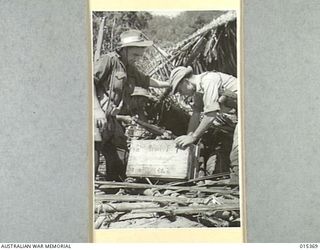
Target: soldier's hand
{"x": 127, "y": 119}
{"x": 115, "y": 111}
{"x": 184, "y": 141}
{"x": 124, "y": 118}
{"x": 100, "y": 118}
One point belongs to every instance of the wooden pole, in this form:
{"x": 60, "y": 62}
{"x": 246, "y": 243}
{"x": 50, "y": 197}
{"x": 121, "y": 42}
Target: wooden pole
{"x": 186, "y": 210}
{"x": 99, "y": 40}
{"x": 112, "y": 31}
{"x": 200, "y": 179}
{"x": 160, "y": 199}
{"x": 124, "y": 206}
{"x": 142, "y": 198}
{"x": 112, "y": 185}
{"x": 99, "y": 221}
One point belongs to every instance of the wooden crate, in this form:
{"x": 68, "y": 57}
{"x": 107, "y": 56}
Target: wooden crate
{"x": 160, "y": 159}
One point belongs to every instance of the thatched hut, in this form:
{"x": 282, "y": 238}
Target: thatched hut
{"x": 213, "y": 47}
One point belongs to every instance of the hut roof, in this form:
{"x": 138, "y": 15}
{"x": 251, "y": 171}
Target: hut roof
{"x": 213, "y": 47}
{"x": 222, "y": 20}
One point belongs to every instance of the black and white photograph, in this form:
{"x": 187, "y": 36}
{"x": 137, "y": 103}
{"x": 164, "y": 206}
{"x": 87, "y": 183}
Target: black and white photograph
{"x": 166, "y": 111}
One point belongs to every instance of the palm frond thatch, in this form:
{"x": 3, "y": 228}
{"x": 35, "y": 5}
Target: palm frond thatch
{"x": 213, "y": 47}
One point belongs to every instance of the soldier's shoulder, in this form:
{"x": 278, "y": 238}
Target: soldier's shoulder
{"x": 111, "y": 55}
{"x": 111, "y": 58}
{"x": 209, "y": 76}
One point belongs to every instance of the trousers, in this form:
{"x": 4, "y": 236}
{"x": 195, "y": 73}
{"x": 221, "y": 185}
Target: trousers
{"x": 112, "y": 146}
{"x": 234, "y": 154}
{"x": 234, "y": 159}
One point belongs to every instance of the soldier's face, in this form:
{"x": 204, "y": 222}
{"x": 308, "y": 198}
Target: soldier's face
{"x": 134, "y": 54}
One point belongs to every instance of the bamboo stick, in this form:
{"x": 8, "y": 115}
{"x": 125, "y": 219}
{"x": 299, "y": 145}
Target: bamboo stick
{"x": 196, "y": 50}
{"x": 137, "y": 216}
{"x": 200, "y": 179}
{"x": 186, "y": 210}
{"x": 124, "y": 207}
{"x": 142, "y": 198}
{"x": 99, "y": 40}
{"x": 160, "y": 199}
{"x": 110, "y": 184}
{"x": 99, "y": 221}
{"x": 213, "y": 222}
{"x": 169, "y": 60}
{"x": 112, "y": 31}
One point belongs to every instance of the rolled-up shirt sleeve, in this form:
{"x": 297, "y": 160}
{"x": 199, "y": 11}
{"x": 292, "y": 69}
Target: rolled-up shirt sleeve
{"x": 210, "y": 88}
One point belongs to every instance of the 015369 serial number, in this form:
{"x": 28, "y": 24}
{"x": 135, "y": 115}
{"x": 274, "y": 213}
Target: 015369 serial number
{"x": 308, "y": 245}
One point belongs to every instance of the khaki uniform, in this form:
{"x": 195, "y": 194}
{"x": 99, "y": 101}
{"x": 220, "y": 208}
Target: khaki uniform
{"x": 114, "y": 82}
{"x": 206, "y": 99}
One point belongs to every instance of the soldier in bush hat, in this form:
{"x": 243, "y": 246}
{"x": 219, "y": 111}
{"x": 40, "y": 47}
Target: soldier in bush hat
{"x": 141, "y": 100}
{"x": 177, "y": 75}
{"x": 213, "y": 93}
{"x": 115, "y": 77}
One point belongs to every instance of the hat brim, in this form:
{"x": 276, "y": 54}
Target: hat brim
{"x": 140, "y": 94}
{"x": 137, "y": 44}
{"x": 177, "y": 80}
{"x": 149, "y": 97}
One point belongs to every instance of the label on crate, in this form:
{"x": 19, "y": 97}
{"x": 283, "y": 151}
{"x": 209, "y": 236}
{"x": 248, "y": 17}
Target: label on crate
{"x": 159, "y": 159}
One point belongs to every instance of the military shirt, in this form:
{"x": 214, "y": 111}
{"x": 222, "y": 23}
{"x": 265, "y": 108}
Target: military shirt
{"x": 115, "y": 82}
{"x": 209, "y": 89}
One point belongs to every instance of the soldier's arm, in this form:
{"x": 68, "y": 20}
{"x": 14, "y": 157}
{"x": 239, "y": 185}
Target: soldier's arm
{"x": 204, "y": 124}
{"x": 194, "y": 121}
{"x": 187, "y": 140}
{"x": 146, "y": 81}
{"x": 101, "y": 69}
{"x": 197, "y": 108}
{"x": 158, "y": 84}
{"x": 99, "y": 115}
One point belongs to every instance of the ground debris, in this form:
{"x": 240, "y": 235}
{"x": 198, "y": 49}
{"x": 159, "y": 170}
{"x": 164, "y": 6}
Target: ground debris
{"x": 166, "y": 205}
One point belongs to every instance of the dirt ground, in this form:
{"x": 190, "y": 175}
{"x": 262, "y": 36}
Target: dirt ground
{"x": 208, "y": 203}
